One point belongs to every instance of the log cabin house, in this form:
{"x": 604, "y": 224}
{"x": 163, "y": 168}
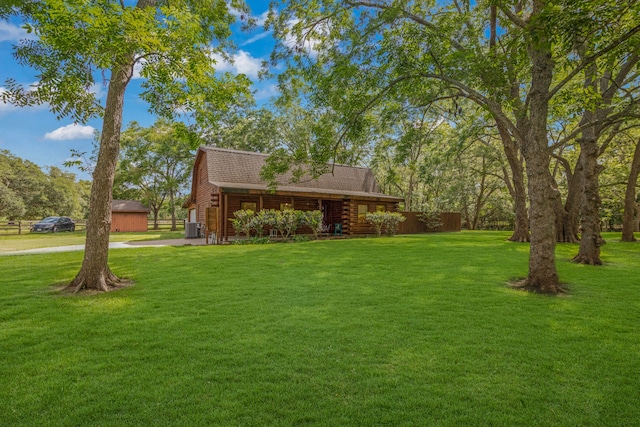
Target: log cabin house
{"x": 225, "y": 181}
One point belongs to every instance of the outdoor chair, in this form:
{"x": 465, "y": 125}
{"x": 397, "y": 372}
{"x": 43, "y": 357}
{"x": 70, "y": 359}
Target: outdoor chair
{"x": 337, "y": 229}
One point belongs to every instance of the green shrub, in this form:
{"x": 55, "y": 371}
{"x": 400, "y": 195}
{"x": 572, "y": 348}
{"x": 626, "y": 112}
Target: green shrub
{"x": 377, "y": 221}
{"x": 242, "y": 221}
{"x": 387, "y": 221}
{"x": 432, "y": 220}
{"x": 286, "y": 222}
{"x": 392, "y": 221}
{"x": 313, "y": 219}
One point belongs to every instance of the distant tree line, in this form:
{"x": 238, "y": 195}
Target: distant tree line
{"x": 29, "y": 192}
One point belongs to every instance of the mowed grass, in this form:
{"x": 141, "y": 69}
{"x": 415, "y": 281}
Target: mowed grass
{"x": 412, "y": 330}
{"x": 15, "y": 242}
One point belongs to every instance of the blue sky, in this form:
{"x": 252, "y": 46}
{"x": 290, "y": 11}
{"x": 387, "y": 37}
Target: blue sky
{"x": 36, "y": 135}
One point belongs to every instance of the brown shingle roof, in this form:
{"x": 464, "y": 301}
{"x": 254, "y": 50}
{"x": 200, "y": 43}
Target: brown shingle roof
{"x": 128, "y": 206}
{"x": 241, "y": 169}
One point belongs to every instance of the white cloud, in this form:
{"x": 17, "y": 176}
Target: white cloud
{"x": 262, "y": 18}
{"x": 98, "y": 89}
{"x": 10, "y": 32}
{"x": 257, "y": 37}
{"x": 266, "y": 92}
{"x": 68, "y": 132}
{"x": 241, "y": 63}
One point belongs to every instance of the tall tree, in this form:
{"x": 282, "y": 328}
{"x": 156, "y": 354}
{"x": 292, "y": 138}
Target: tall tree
{"x": 157, "y": 162}
{"x": 358, "y": 52}
{"x": 171, "y": 41}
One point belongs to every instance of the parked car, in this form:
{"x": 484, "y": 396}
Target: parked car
{"x": 53, "y": 224}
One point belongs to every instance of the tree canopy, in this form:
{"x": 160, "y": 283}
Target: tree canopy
{"x": 28, "y": 192}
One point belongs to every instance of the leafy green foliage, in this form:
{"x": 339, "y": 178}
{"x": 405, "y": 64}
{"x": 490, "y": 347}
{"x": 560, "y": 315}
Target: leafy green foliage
{"x": 432, "y": 220}
{"x": 172, "y": 43}
{"x": 286, "y": 221}
{"x": 27, "y": 192}
{"x": 243, "y": 221}
{"x": 313, "y": 219}
{"x": 387, "y": 221}
{"x": 246, "y": 128}
{"x": 377, "y": 221}
{"x": 155, "y": 164}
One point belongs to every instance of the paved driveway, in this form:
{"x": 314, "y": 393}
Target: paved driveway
{"x": 112, "y": 245}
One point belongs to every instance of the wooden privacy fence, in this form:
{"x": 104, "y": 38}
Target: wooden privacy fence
{"x": 24, "y": 227}
{"x": 451, "y": 221}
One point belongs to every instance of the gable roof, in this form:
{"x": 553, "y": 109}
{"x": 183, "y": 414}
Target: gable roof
{"x": 128, "y": 206}
{"x": 233, "y": 169}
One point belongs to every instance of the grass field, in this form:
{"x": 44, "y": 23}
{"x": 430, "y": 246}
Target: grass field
{"x": 14, "y": 242}
{"x": 412, "y": 330}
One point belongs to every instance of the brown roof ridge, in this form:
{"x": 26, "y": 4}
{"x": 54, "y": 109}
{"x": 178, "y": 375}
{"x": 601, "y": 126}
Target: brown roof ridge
{"x": 254, "y": 153}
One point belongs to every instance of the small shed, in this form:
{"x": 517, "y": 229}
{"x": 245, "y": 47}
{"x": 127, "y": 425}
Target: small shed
{"x": 128, "y": 215}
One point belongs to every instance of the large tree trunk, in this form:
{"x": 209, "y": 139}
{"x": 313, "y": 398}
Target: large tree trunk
{"x": 568, "y": 214}
{"x": 516, "y": 188}
{"x": 591, "y": 240}
{"x": 95, "y": 272}
{"x": 172, "y": 205}
{"x": 629, "y": 224}
{"x": 567, "y": 217}
{"x": 543, "y": 275}
{"x": 156, "y": 213}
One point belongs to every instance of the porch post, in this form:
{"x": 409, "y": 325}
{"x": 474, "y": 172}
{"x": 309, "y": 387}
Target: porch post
{"x": 226, "y": 216}
{"x": 221, "y": 206}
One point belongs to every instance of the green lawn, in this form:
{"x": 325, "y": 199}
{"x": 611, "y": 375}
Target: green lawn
{"x": 412, "y": 330}
{"x": 15, "y": 242}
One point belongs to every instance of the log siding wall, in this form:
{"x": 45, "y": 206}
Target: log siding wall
{"x": 343, "y": 211}
{"x": 204, "y": 192}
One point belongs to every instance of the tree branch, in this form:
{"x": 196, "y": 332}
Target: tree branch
{"x": 519, "y": 22}
{"x": 588, "y": 60}
{"x": 415, "y": 18}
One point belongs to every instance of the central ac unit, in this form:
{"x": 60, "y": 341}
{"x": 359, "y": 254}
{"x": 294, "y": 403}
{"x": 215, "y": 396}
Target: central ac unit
{"x": 191, "y": 230}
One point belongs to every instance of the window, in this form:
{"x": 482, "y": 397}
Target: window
{"x": 248, "y": 206}
{"x": 380, "y": 208}
{"x": 362, "y": 213}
